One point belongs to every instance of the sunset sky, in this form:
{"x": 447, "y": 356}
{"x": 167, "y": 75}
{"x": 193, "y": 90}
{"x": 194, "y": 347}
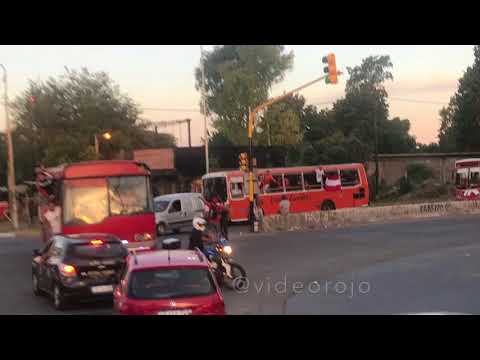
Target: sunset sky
{"x": 161, "y": 77}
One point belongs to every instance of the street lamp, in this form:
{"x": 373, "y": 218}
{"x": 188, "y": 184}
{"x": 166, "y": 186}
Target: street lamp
{"x": 11, "y": 168}
{"x": 106, "y": 136}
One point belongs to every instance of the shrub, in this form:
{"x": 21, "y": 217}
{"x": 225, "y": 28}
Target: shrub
{"x": 405, "y": 186}
{"x": 417, "y": 173}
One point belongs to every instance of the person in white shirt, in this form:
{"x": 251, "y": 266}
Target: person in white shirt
{"x": 284, "y": 210}
{"x": 53, "y": 217}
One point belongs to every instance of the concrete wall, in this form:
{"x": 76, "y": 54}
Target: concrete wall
{"x": 393, "y": 167}
{"x": 356, "y": 216}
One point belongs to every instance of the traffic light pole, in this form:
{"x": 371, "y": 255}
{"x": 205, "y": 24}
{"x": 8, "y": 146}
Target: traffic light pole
{"x": 251, "y": 124}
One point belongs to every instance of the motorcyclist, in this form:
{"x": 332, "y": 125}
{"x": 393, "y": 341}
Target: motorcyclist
{"x": 199, "y": 236}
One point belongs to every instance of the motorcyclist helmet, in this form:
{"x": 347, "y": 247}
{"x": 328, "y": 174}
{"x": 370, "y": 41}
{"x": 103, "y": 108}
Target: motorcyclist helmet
{"x": 199, "y": 223}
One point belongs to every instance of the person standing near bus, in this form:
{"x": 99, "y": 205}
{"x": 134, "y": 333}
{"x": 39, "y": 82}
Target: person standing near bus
{"x": 224, "y": 219}
{"x": 284, "y": 209}
{"x": 215, "y": 212}
{"x": 53, "y": 217}
{"x": 258, "y": 211}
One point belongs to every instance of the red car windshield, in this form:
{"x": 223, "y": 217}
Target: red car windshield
{"x": 170, "y": 283}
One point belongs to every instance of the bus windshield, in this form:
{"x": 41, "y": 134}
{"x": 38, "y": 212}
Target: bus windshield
{"x": 475, "y": 177}
{"x": 129, "y": 195}
{"x": 90, "y": 201}
{"x": 461, "y": 179}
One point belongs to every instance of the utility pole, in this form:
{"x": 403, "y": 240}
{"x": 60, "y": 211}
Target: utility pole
{"x": 11, "y": 168}
{"x": 375, "y": 129}
{"x": 204, "y": 100}
{"x": 97, "y": 147}
{"x": 189, "y": 134}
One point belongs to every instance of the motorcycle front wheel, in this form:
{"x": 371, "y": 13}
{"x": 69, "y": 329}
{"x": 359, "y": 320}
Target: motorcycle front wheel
{"x": 238, "y": 279}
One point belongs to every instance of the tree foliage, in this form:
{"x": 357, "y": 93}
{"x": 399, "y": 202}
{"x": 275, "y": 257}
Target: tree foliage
{"x": 345, "y": 133}
{"x": 237, "y": 78}
{"x": 56, "y": 121}
{"x": 281, "y": 123}
{"x": 460, "y": 120}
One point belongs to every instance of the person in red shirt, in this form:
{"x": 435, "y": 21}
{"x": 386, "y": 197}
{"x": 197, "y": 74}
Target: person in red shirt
{"x": 268, "y": 181}
{"x": 214, "y": 216}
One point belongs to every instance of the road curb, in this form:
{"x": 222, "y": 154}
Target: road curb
{"x": 322, "y": 220}
{"x": 8, "y": 235}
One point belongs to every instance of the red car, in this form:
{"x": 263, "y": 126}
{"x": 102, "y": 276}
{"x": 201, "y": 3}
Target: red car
{"x": 165, "y": 282}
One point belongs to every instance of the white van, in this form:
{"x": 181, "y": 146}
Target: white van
{"x": 176, "y": 211}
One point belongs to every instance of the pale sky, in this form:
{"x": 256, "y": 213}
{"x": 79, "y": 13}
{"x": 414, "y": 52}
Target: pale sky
{"x": 162, "y": 76}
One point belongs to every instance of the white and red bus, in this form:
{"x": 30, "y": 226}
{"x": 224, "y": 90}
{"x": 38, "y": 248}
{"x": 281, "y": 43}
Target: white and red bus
{"x": 308, "y": 188}
{"x": 467, "y": 179}
{"x": 112, "y": 197}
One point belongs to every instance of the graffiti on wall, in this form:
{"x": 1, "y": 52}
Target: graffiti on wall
{"x": 435, "y": 207}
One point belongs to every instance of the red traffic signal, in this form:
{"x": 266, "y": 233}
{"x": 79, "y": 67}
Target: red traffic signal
{"x": 330, "y": 69}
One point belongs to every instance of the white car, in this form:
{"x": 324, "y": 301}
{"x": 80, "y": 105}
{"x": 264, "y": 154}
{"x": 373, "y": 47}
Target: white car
{"x": 174, "y": 212}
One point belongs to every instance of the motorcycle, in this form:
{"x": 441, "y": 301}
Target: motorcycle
{"x": 226, "y": 270}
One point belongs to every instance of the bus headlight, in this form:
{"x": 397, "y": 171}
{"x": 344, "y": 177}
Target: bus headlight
{"x": 227, "y": 250}
{"x": 143, "y": 237}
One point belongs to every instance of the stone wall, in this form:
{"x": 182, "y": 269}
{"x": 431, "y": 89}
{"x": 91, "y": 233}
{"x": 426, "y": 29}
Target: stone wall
{"x": 393, "y": 167}
{"x": 356, "y": 216}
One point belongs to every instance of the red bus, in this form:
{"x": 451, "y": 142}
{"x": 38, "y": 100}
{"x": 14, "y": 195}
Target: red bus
{"x": 112, "y": 197}
{"x": 467, "y": 179}
{"x": 308, "y": 188}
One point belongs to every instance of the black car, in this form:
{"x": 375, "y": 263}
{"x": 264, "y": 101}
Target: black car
{"x": 78, "y": 267}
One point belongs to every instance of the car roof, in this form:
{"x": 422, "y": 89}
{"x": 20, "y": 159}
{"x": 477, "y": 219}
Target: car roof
{"x": 167, "y": 258}
{"x": 170, "y": 197}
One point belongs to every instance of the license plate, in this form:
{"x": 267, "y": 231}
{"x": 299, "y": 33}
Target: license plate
{"x": 175, "y": 312}
{"x": 102, "y": 289}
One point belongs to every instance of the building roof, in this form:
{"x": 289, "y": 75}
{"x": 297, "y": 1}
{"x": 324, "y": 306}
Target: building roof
{"x": 420, "y": 155}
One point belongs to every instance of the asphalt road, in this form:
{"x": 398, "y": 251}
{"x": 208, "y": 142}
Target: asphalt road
{"x": 409, "y": 267}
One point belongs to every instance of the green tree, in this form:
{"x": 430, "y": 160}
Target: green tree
{"x": 460, "y": 121}
{"x": 281, "y": 123}
{"x": 238, "y": 78}
{"x": 396, "y": 137}
{"x": 345, "y": 133}
{"x": 447, "y": 131}
{"x": 56, "y": 121}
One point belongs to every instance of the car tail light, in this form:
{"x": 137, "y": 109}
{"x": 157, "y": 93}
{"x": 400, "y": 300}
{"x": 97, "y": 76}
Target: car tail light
{"x": 216, "y": 307}
{"x": 67, "y": 270}
{"x": 96, "y": 242}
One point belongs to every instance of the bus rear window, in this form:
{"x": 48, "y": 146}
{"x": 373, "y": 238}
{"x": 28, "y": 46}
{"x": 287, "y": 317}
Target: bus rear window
{"x": 461, "y": 178}
{"x": 107, "y": 250}
{"x": 475, "y": 177}
{"x": 349, "y": 177}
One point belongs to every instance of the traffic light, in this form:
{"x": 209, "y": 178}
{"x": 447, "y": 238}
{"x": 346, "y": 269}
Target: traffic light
{"x": 243, "y": 161}
{"x": 330, "y": 69}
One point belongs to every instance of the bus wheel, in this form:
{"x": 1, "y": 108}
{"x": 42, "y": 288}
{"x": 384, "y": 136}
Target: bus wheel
{"x": 328, "y": 205}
